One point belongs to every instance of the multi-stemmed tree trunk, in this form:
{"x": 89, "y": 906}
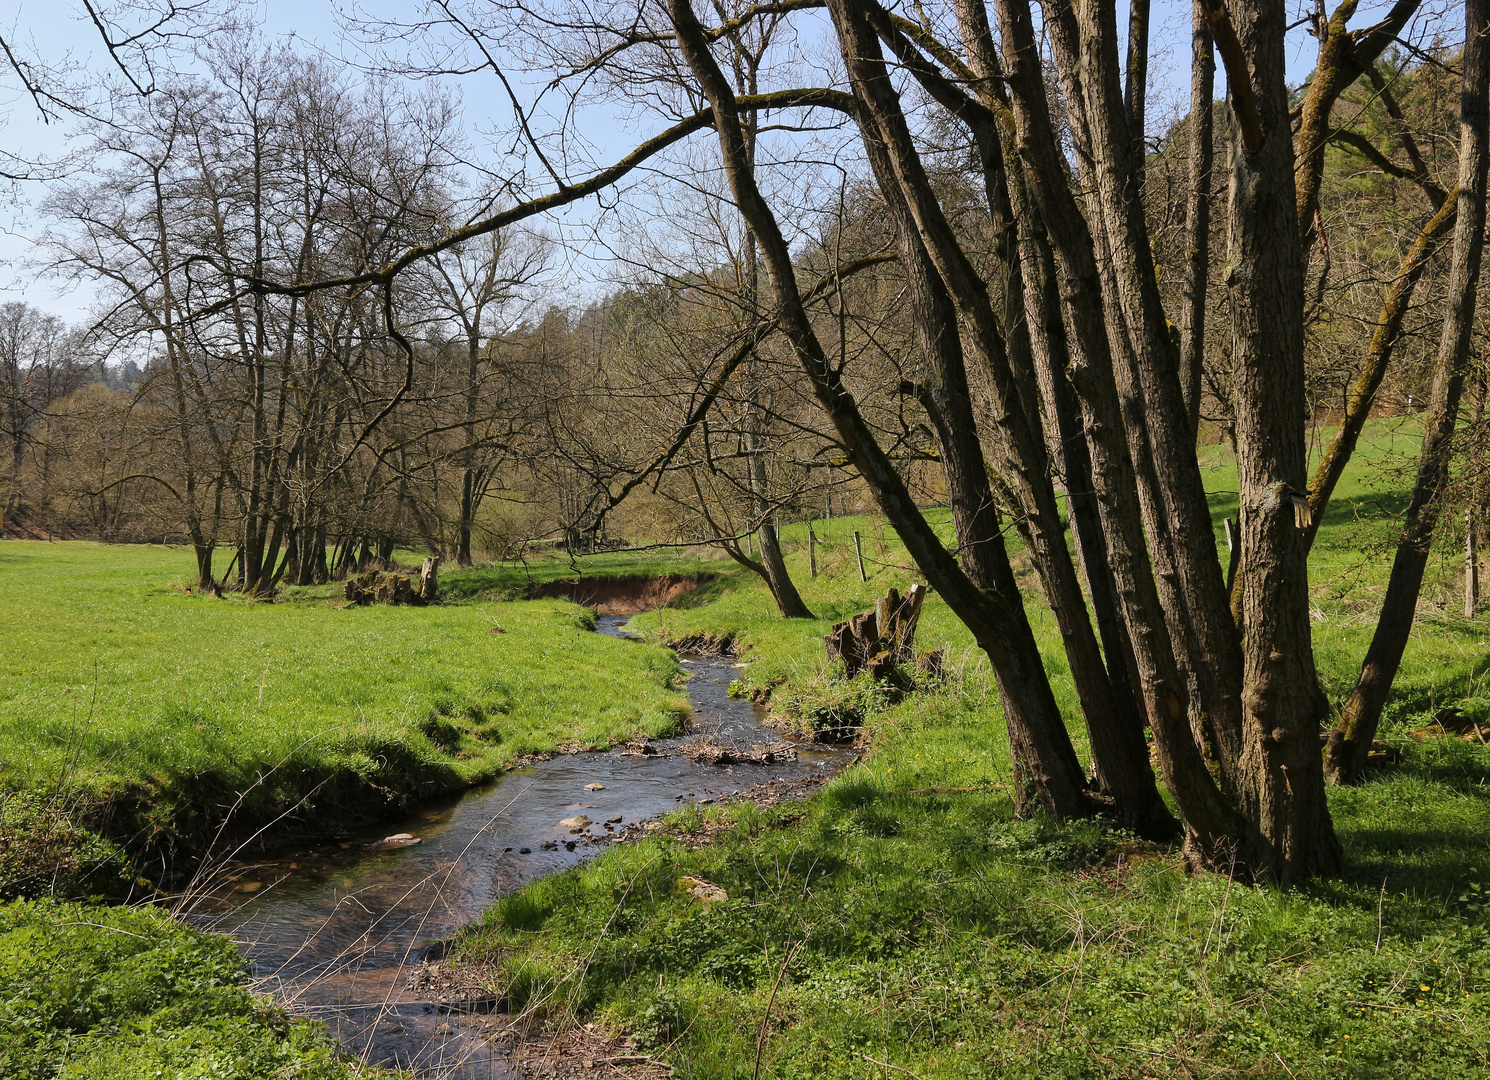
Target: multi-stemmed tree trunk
{"x": 1350, "y": 742}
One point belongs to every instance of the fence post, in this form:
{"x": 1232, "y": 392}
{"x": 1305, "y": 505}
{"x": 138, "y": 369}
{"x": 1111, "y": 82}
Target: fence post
{"x": 859, "y": 551}
{"x": 811, "y": 549}
{"x": 1471, "y": 567}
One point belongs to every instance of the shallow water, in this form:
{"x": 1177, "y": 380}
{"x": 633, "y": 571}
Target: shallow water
{"x": 336, "y": 932}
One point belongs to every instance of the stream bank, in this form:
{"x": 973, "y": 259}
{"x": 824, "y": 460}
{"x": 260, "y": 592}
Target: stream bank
{"x": 337, "y": 933}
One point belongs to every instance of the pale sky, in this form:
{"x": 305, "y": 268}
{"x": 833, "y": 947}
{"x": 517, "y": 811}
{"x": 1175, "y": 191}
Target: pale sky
{"x": 55, "y": 28}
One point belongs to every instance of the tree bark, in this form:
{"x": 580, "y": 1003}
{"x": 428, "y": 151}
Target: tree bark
{"x": 1350, "y": 742}
{"x": 1049, "y": 771}
{"x": 1281, "y": 781}
{"x": 1197, "y": 214}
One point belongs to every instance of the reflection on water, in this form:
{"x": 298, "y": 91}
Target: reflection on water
{"x": 336, "y": 933}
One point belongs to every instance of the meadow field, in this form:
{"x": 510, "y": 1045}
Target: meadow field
{"x": 900, "y": 923}
{"x": 904, "y": 924}
{"x": 159, "y": 710}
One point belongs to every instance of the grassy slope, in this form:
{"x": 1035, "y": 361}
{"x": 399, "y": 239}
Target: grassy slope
{"x": 118, "y": 683}
{"x": 894, "y": 931}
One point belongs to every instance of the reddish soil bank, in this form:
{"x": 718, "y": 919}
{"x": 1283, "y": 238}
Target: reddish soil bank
{"x": 620, "y": 595}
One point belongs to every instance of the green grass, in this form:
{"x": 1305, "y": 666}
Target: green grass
{"x": 124, "y": 691}
{"x": 900, "y": 924}
{"x": 94, "y": 993}
{"x": 887, "y": 930}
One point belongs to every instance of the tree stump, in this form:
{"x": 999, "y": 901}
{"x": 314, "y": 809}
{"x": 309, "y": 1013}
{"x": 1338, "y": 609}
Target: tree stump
{"x": 429, "y": 585}
{"x": 881, "y": 640}
{"x": 376, "y": 587}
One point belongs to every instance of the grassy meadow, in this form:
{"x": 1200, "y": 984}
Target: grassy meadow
{"x": 127, "y": 693}
{"x": 903, "y": 924}
{"x": 899, "y": 924}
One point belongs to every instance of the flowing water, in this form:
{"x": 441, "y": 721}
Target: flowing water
{"x": 336, "y": 933}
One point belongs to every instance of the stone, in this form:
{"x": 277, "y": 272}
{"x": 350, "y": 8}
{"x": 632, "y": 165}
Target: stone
{"x": 594, "y": 787}
{"x": 524, "y": 851}
{"x": 705, "y": 892}
{"x": 550, "y": 845}
{"x": 613, "y": 820}
{"x": 577, "y": 823}
{"x": 398, "y": 840}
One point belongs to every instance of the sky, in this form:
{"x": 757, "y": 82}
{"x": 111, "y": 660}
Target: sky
{"x": 54, "y": 29}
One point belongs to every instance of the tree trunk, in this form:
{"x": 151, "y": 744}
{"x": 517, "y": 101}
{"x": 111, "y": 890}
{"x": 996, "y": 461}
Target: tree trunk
{"x": 1215, "y": 832}
{"x": 1281, "y": 783}
{"x": 1350, "y": 742}
{"x": 1049, "y": 770}
{"x": 937, "y": 264}
{"x": 1378, "y": 355}
{"x": 205, "y": 581}
{"x": 1197, "y": 214}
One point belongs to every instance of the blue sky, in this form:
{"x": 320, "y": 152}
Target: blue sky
{"x": 57, "y": 28}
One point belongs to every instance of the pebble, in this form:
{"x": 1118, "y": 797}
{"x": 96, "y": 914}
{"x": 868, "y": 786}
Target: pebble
{"x": 577, "y": 823}
{"x": 524, "y": 851}
{"x": 594, "y": 787}
{"x": 550, "y": 845}
{"x": 613, "y": 820}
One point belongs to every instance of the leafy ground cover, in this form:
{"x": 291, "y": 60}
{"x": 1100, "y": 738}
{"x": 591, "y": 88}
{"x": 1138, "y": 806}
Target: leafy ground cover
{"x": 903, "y": 924}
{"x": 106, "y": 993}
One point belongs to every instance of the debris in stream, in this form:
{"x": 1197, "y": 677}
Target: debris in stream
{"x": 397, "y": 840}
{"x": 458, "y": 986}
{"x": 640, "y": 748}
{"x": 707, "y": 752}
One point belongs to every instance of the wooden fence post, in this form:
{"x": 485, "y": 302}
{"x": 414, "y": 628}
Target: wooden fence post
{"x": 859, "y": 551}
{"x": 1471, "y": 567}
{"x": 811, "y": 550}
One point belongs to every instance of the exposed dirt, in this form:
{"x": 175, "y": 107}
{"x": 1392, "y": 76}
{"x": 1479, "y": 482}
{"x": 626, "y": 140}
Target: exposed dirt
{"x": 621, "y": 595}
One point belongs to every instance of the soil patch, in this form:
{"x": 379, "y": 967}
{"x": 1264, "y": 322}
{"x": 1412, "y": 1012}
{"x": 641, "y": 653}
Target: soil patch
{"x": 621, "y": 595}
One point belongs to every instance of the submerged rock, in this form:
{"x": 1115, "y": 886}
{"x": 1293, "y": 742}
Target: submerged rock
{"x": 398, "y": 840}
{"x": 578, "y": 823}
{"x": 594, "y": 787}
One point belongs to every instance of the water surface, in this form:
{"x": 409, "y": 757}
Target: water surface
{"x": 336, "y": 932}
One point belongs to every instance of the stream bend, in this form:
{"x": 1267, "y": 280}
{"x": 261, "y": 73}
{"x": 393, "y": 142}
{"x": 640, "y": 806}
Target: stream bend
{"x": 335, "y": 933}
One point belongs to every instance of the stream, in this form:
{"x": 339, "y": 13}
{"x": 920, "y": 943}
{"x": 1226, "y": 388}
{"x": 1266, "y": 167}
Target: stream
{"x": 335, "y": 933}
